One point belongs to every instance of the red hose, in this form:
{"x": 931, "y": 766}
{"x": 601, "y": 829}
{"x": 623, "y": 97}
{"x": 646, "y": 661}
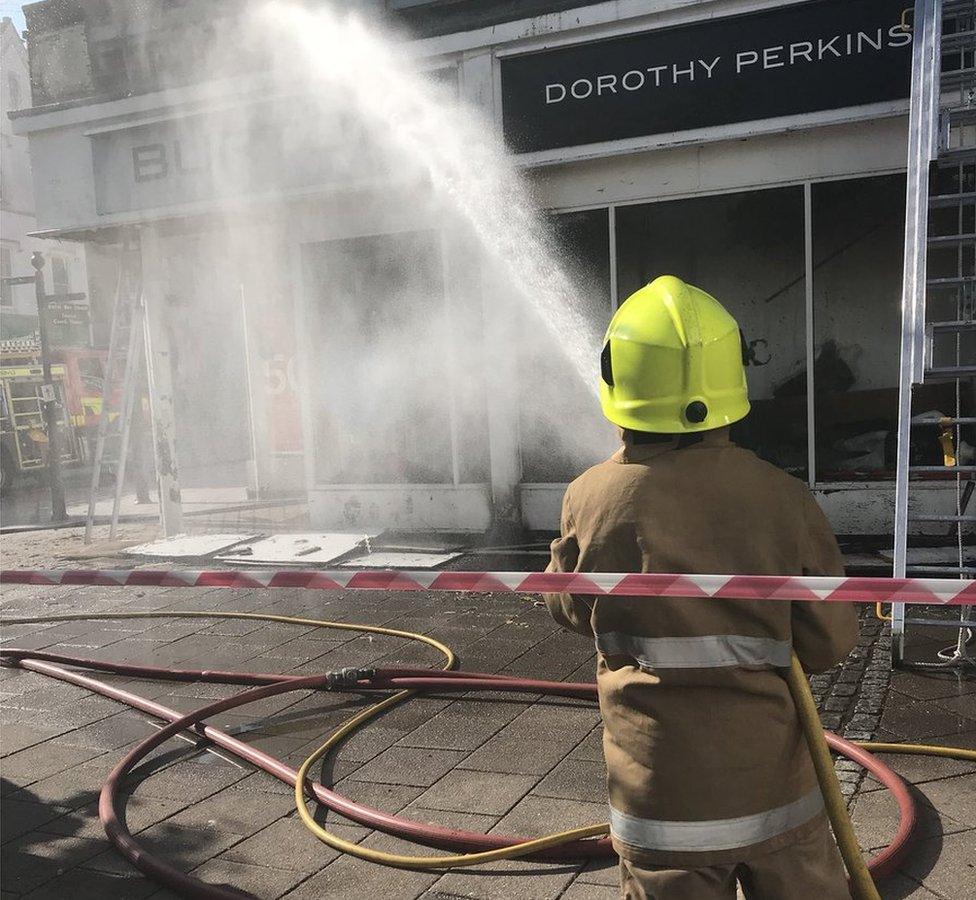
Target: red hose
{"x": 379, "y": 679}
{"x": 888, "y": 860}
{"x": 461, "y": 841}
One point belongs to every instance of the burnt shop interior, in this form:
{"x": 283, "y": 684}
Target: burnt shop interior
{"x": 748, "y": 248}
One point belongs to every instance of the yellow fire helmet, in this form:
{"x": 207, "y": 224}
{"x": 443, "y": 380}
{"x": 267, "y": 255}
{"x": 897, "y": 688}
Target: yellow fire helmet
{"x": 672, "y": 361}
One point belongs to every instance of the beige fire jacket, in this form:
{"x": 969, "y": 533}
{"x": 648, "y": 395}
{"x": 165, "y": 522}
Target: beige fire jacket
{"x": 706, "y": 761}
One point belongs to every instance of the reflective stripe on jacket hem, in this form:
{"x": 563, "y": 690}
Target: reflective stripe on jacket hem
{"x": 713, "y": 834}
{"x": 705, "y": 652}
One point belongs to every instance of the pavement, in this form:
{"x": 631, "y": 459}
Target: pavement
{"x": 516, "y": 764}
{"x": 28, "y": 505}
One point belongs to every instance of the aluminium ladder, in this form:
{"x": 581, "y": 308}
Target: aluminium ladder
{"x": 938, "y": 338}
{"x": 119, "y": 388}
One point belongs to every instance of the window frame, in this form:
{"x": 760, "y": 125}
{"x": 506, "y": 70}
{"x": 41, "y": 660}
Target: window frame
{"x": 6, "y": 271}
{"x": 65, "y": 264}
{"x": 810, "y": 331}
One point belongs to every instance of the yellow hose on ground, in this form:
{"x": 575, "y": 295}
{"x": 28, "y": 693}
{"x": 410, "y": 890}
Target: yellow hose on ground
{"x": 260, "y": 617}
{"x": 861, "y": 881}
{"x": 919, "y": 750}
{"x": 799, "y": 687}
{"x": 446, "y": 861}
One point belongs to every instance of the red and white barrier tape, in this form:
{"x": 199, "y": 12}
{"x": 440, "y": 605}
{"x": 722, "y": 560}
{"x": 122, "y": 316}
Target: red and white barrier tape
{"x": 942, "y": 591}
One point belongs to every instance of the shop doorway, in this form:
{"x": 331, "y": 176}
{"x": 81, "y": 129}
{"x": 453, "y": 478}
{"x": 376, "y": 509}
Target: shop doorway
{"x": 377, "y": 372}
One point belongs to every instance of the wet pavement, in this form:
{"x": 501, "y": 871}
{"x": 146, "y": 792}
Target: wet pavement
{"x": 515, "y": 764}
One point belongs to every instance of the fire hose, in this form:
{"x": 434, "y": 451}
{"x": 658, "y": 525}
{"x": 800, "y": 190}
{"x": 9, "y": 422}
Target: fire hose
{"x": 474, "y": 847}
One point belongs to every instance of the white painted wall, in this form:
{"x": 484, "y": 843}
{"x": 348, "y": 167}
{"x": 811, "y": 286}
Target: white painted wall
{"x": 17, "y": 208}
{"x": 855, "y": 148}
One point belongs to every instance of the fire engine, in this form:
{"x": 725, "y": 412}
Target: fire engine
{"x": 23, "y": 438}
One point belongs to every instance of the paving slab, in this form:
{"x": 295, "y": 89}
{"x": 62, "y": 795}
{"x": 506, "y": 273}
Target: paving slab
{"x": 505, "y": 881}
{"x": 463, "y": 821}
{"x": 185, "y": 842}
{"x": 139, "y": 813}
{"x": 575, "y": 779}
{"x": 238, "y": 810}
{"x": 20, "y": 817}
{"x": 419, "y": 767}
{"x": 28, "y": 766}
{"x": 287, "y": 844}
{"x": 462, "y": 726}
{"x": 491, "y": 793}
{"x": 600, "y": 871}
{"x": 581, "y": 890}
{"x": 945, "y": 865}
{"x": 79, "y": 884}
{"x": 534, "y": 816}
{"x": 352, "y": 877}
{"x": 33, "y": 859}
{"x": 954, "y": 798}
{"x": 263, "y": 881}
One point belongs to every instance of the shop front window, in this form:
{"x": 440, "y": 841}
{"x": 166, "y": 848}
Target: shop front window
{"x": 858, "y": 242}
{"x": 6, "y": 294}
{"x": 60, "y": 279}
{"x": 378, "y": 367}
{"x": 747, "y": 250}
{"x": 561, "y": 429}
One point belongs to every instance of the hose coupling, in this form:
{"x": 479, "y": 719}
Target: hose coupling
{"x": 347, "y": 676}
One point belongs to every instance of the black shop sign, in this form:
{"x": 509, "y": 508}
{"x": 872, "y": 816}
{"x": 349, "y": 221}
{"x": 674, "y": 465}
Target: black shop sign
{"x": 803, "y": 58}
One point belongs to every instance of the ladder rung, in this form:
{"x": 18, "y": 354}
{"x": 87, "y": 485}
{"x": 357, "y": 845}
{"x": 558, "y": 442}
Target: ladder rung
{"x": 957, "y": 8}
{"x": 959, "y": 40}
{"x": 951, "y": 327}
{"x": 951, "y": 239}
{"x": 943, "y": 570}
{"x": 948, "y": 420}
{"x": 954, "y": 281}
{"x": 952, "y": 199}
{"x": 956, "y": 156}
{"x": 927, "y": 517}
{"x": 950, "y": 372}
{"x": 941, "y": 623}
{"x": 952, "y": 11}
{"x": 960, "y": 115}
{"x": 950, "y": 470}
{"x": 957, "y": 77}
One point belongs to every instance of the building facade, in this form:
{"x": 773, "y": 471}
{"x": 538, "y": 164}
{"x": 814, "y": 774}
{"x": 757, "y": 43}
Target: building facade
{"x": 756, "y": 148}
{"x": 66, "y": 272}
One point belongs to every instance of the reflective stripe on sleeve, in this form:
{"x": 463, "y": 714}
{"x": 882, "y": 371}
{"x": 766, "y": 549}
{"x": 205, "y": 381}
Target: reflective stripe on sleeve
{"x": 706, "y": 652}
{"x": 713, "y": 834}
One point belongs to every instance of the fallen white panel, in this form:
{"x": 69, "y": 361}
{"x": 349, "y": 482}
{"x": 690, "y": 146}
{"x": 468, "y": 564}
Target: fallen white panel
{"x": 299, "y": 549}
{"x": 934, "y": 556}
{"x": 182, "y": 545}
{"x": 217, "y": 496}
{"x": 386, "y": 559}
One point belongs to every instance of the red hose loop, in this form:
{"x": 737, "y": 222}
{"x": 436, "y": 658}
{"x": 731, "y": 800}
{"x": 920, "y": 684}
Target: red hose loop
{"x": 431, "y": 835}
{"x": 888, "y": 860}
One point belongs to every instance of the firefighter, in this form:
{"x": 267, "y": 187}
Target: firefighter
{"x": 710, "y": 781}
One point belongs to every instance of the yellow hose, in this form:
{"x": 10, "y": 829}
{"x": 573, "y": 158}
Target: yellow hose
{"x": 260, "y": 617}
{"x": 446, "y": 861}
{"x": 861, "y": 882}
{"x": 919, "y": 750}
{"x": 799, "y": 687}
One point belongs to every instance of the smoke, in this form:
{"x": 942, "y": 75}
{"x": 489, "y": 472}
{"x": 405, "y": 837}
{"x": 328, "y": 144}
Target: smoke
{"x": 423, "y": 281}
